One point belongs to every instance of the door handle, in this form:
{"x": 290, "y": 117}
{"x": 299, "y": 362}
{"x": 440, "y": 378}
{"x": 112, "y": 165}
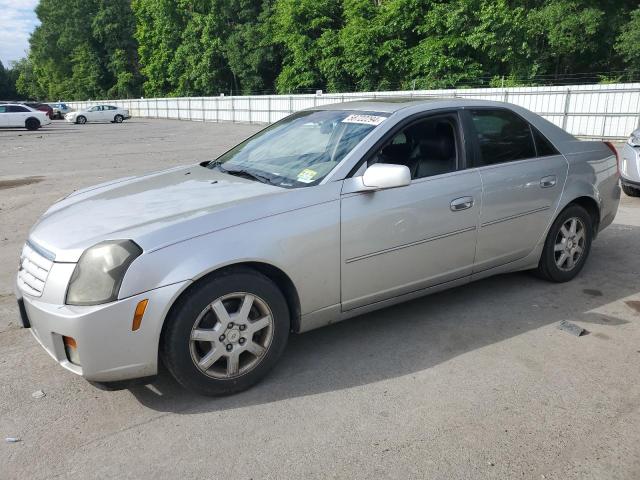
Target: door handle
{"x": 550, "y": 181}
{"x": 462, "y": 203}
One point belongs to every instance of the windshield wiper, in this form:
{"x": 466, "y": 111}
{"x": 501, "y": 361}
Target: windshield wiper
{"x": 247, "y": 174}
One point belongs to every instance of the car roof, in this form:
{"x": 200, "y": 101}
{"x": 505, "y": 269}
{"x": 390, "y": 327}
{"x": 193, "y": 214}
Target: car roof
{"x": 393, "y": 104}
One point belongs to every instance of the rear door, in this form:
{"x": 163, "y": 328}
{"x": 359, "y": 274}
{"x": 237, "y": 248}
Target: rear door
{"x": 401, "y": 240}
{"x": 522, "y": 177}
{"x": 17, "y": 115}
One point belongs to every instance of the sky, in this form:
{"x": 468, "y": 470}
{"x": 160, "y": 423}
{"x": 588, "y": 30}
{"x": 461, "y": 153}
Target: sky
{"x": 18, "y": 21}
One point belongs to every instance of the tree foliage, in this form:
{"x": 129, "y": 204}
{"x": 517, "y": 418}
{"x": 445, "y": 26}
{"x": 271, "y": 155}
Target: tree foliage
{"x": 124, "y": 48}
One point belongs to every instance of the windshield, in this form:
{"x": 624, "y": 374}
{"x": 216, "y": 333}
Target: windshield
{"x": 301, "y": 149}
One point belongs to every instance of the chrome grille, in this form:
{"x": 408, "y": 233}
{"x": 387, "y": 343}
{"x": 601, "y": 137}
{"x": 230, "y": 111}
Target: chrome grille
{"x": 34, "y": 269}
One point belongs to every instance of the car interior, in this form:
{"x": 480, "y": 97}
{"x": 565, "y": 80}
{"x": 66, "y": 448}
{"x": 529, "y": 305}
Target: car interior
{"x": 427, "y": 147}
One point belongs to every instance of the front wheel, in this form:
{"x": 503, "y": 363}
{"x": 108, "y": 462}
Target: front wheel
{"x": 567, "y": 245}
{"x": 226, "y": 334}
{"x": 118, "y": 118}
{"x": 81, "y": 120}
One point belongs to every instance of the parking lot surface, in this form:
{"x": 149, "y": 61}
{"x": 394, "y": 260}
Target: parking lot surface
{"x": 475, "y": 382}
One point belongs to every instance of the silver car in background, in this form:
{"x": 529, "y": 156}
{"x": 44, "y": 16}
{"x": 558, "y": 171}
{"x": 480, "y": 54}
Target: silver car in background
{"x": 327, "y": 214}
{"x": 630, "y": 165}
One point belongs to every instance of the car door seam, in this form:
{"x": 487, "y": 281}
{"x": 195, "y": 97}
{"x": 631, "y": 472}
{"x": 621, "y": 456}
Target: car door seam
{"x": 411, "y": 244}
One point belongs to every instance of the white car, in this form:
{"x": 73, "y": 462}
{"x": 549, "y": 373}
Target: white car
{"x": 21, "y": 116}
{"x": 630, "y": 165}
{"x": 98, "y": 113}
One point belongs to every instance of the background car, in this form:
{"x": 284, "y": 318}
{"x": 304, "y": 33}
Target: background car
{"x": 98, "y": 113}
{"x": 17, "y": 115}
{"x": 60, "y": 109}
{"x": 327, "y": 214}
{"x": 43, "y": 107}
{"x": 630, "y": 165}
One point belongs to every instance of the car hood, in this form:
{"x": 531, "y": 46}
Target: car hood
{"x": 154, "y": 210}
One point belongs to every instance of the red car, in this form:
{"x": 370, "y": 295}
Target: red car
{"x": 43, "y": 107}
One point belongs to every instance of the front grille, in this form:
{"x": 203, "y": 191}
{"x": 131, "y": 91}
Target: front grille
{"x": 34, "y": 269}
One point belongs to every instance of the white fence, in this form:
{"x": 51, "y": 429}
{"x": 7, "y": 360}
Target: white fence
{"x": 598, "y": 111}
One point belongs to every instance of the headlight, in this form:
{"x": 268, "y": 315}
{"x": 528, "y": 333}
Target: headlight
{"x": 634, "y": 139}
{"x": 99, "y": 272}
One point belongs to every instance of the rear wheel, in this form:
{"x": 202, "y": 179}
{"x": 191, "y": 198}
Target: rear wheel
{"x": 632, "y": 192}
{"x": 32, "y": 124}
{"x": 118, "y": 118}
{"x": 567, "y": 245}
{"x": 81, "y": 120}
{"x": 226, "y": 334}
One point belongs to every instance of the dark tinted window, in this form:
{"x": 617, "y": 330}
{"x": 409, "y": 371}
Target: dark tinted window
{"x": 428, "y": 147}
{"x": 16, "y": 108}
{"x": 503, "y": 136}
{"x": 543, "y": 146}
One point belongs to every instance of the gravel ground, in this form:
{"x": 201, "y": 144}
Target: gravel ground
{"x": 476, "y": 382}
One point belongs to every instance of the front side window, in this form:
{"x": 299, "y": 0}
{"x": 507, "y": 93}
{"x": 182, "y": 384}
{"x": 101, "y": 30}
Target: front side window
{"x": 428, "y": 147}
{"x": 3, "y": 109}
{"x": 301, "y": 149}
{"x": 502, "y": 136}
{"x": 94, "y": 109}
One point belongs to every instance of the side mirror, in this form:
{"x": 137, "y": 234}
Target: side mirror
{"x": 386, "y": 175}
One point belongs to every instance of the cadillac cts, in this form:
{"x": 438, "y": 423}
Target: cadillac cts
{"x": 327, "y": 214}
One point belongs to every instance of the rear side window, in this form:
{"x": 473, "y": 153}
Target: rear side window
{"x": 16, "y": 109}
{"x": 502, "y": 136}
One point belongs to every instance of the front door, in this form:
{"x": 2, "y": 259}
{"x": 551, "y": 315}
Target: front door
{"x": 401, "y": 240}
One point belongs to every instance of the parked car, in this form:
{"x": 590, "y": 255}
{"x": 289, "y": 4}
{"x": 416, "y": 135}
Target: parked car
{"x": 20, "y": 116}
{"x": 98, "y": 113}
{"x": 327, "y": 214}
{"x": 630, "y": 165}
{"x": 60, "y": 109}
{"x": 43, "y": 107}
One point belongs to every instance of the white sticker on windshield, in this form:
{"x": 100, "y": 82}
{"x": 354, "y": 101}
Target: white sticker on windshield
{"x": 365, "y": 119}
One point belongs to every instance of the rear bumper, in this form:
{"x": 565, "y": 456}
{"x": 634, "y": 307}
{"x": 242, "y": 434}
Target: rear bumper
{"x": 107, "y": 347}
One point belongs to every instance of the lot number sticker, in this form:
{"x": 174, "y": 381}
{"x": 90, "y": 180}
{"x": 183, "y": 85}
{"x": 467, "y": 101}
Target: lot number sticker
{"x": 365, "y": 119}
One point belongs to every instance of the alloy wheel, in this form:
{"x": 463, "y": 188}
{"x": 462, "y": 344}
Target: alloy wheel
{"x": 570, "y": 244}
{"x": 231, "y": 335}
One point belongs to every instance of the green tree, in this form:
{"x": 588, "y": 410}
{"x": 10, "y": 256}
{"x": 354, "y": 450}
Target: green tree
{"x": 628, "y": 42}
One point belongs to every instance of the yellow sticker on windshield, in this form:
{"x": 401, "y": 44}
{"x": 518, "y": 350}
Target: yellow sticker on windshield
{"x": 307, "y": 175}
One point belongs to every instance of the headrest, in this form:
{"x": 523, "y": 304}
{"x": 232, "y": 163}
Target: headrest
{"x": 396, "y": 153}
{"x": 442, "y": 144}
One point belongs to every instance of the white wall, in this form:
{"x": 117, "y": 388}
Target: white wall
{"x": 601, "y": 111}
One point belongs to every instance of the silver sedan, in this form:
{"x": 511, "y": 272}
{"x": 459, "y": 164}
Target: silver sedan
{"x": 330, "y": 213}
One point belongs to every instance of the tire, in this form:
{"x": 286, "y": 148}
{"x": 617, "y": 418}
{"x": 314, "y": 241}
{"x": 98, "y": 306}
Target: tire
{"x": 118, "y": 119}
{"x": 575, "y": 246}
{"x": 32, "y": 124}
{"x": 630, "y": 191}
{"x": 81, "y": 119}
{"x": 202, "y": 313}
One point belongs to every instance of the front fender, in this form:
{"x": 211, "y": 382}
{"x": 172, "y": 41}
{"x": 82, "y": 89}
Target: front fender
{"x": 303, "y": 243}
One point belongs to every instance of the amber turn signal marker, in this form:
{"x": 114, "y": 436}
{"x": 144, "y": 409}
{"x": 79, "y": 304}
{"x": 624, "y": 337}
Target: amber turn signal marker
{"x": 137, "y": 317}
{"x": 69, "y": 342}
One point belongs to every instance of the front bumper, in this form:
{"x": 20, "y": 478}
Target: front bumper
{"x": 107, "y": 347}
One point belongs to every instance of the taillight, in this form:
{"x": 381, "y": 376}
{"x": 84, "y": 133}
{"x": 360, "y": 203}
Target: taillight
{"x": 615, "y": 152}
